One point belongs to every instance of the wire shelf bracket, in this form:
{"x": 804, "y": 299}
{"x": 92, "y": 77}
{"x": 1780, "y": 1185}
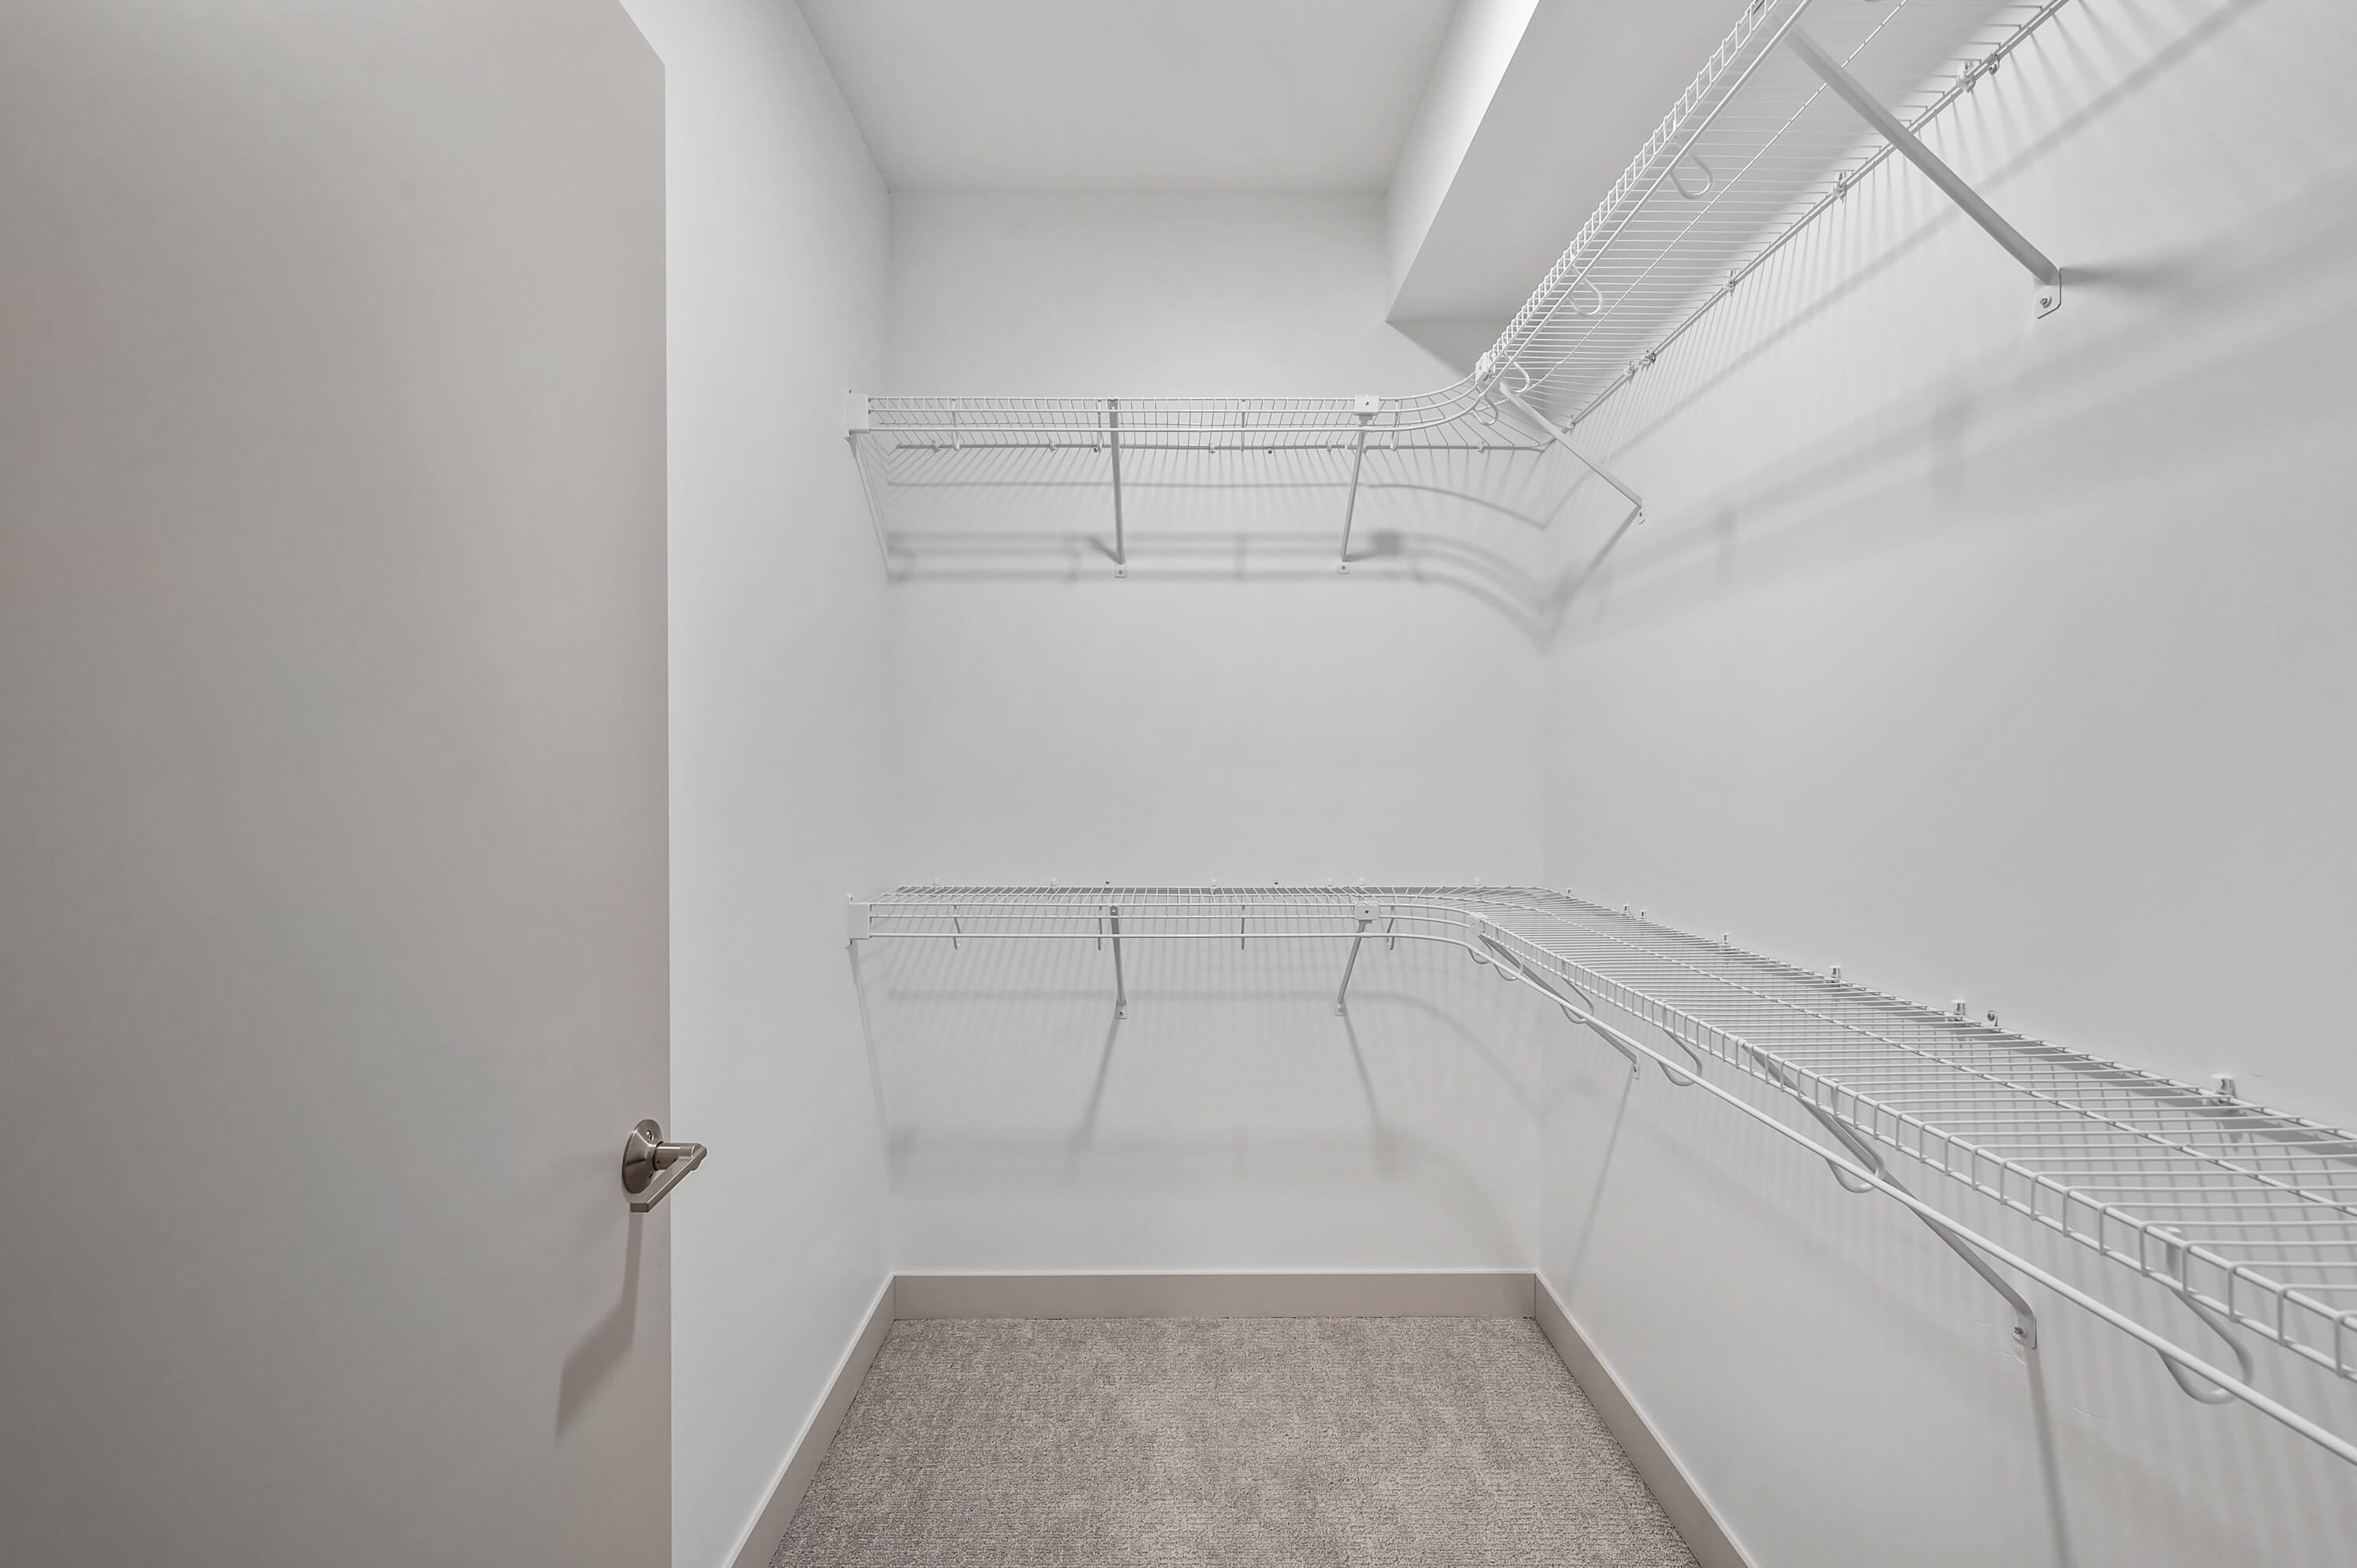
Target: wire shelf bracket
{"x": 1850, "y": 90}
{"x": 1562, "y": 439}
{"x": 2246, "y": 1216}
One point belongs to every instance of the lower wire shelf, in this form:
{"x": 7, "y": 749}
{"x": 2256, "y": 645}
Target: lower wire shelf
{"x": 2247, "y": 1215}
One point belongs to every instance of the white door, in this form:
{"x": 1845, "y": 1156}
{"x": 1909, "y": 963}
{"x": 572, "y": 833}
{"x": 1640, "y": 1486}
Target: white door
{"x": 332, "y": 784}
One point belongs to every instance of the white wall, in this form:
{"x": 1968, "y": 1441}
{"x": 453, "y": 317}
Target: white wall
{"x": 1251, "y": 718}
{"x": 778, "y": 225}
{"x": 1993, "y": 659}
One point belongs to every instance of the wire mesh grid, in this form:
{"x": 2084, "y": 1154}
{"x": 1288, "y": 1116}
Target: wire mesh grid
{"x": 1454, "y": 416}
{"x": 2248, "y": 1214}
{"x": 1754, "y": 149}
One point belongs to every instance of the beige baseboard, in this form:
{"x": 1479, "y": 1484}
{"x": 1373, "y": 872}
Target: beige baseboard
{"x": 1444, "y": 1294}
{"x": 1454, "y": 1293}
{"x": 1706, "y": 1536}
{"x": 768, "y": 1527}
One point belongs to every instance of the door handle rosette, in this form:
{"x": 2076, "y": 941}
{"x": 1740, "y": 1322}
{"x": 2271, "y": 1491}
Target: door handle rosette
{"x": 650, "y": 1167}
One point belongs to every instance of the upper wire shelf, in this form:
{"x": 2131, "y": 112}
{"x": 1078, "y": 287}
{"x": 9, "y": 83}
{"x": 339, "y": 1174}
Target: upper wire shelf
{"x": 1759, "y": 143}
{"x": 2246, "y": 1215}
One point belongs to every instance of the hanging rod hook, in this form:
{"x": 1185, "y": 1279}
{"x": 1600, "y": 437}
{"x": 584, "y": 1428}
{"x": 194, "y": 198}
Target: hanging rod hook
{"x": 2192, "y": 1383}
{"x": 1850, "y": 1183}
{"x": 1708, "y": 179}
{"x": 1859, "y": 1149}
{"x": 1676, "y": 1077}
{"x": 1603, "y": 1031}
{"x": 1500, "y": 959}
{"x": 1636, "y": 1067}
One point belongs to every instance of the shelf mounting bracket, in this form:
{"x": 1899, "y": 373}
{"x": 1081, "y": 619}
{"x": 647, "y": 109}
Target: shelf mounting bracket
{"x": 1563, "y": 440}
{"x": 1852, "y": 92}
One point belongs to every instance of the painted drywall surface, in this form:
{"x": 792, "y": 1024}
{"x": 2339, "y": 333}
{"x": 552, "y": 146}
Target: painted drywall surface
{"x": 1585, "y": 86}
{"x": 1257, "y": 718}
{"x": 1234, "y": 1118}
{"x": 1473, "y": 57}
{"x": 332, "y": 843}
{"x": 1079, "y": 95}
{"x": 778, "y": 224}
{"x": 1250, "y": 715}
{"x": 1994, "y": 659}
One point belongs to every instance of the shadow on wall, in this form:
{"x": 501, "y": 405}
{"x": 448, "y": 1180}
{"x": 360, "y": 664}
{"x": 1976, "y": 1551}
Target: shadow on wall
{"x": 1233, "y": 1117}
{"x": 2241, "y": 309}
{"x": 2198, "y": 340}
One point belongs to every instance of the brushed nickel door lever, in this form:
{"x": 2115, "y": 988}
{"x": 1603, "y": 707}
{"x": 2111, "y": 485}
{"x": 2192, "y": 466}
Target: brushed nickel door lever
{"x": 650, "y": 1167}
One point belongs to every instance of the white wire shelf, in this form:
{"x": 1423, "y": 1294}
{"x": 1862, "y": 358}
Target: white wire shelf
{"x": 1757, "y": 147}
{"x": 2246, "y": 1215}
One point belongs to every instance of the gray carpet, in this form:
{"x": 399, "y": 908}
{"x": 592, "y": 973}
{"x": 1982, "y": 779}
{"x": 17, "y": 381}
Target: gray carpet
{"x": 1044, "y": 1444}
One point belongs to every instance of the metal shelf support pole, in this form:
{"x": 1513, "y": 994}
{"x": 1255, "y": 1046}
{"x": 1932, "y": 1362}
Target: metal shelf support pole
{"x": 1120, "y": 545}
{"x": 1852, "y": 92}
{"x": 1365, "y": 409}
{"x": 858, "y": 423}
{"x": 1366, "y": 918}
{"x": 1563, "y": 441}
{"x": 1120, "y": 986}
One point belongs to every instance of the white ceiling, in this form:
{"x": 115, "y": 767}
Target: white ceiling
{"x": 1132, "y": 94}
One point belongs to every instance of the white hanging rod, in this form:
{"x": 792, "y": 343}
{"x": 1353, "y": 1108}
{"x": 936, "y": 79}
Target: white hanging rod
{"x": 2246, "y": 1216}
